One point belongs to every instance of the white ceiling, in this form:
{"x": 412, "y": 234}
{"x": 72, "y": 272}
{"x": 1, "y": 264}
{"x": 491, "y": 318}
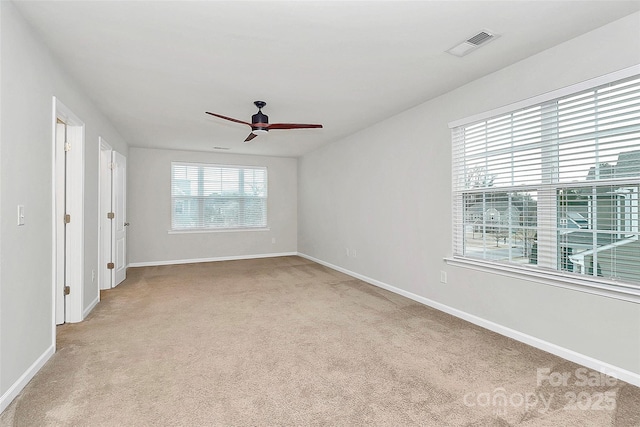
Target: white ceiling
{"x": 154, "y": 68}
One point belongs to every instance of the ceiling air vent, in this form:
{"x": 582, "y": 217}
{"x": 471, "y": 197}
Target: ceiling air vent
{"x": 472, "y": 43}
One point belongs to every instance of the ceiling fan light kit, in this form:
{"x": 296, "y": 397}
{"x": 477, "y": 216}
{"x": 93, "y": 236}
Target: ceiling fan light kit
{"x": 260, "y": 122}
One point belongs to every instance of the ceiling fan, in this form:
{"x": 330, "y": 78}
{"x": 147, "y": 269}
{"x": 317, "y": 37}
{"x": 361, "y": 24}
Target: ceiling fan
{"x": 260, "y": 122}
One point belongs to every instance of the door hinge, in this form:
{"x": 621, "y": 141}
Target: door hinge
{"x": 111, "y": 215}
{"x": 67, "y": 146}
{"x": 67, "y": 219}
{"x": 67, "y": 290}
{"x": 110, "y": 266}
{"x": 112, "y": 165}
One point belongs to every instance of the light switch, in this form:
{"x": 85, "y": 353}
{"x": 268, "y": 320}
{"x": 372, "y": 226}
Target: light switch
{"x": 20, "y": 214}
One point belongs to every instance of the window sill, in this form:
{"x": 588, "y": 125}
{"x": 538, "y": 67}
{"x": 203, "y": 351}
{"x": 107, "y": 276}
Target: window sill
{"x": 219, "y": 230}
{"x": 603, "y": 287}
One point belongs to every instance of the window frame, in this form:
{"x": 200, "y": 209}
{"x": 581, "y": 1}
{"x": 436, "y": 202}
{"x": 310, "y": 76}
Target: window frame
{"x": 200, "y": 197}
{"x": 542, "y": 274}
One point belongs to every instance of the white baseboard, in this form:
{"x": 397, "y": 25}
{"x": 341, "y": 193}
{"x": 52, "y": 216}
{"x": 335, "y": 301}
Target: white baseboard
{"x": 197, "y": 260}
{"x": 573, "y": 356}
{"x": 24, "y": 379}
{"x": 91, "y": 306}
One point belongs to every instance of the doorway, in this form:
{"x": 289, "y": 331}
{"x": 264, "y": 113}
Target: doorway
{"x": 68, "y": 214}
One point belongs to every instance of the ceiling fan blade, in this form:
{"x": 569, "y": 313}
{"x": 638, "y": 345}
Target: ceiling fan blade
{"x": 250, "y": 137}
{"x": 292, "y": 126}
{"x": 229, "y": 118}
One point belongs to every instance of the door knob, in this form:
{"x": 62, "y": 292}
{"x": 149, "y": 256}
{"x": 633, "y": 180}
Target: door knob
{"x": 126, "y": 224}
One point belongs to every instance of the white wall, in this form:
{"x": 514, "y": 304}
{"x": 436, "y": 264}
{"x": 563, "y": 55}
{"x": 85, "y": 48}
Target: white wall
{"x": 149, "y": 210}
{"x": 29, "y": 80}
{"x": 386, "y": 193}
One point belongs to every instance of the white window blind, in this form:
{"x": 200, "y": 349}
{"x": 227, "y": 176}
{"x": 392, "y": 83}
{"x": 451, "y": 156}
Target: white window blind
{"x": 207, "y": 196}
{"x": 554, "y": 185}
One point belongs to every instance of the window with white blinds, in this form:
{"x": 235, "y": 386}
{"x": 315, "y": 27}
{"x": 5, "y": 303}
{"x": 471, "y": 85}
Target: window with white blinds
{"x": 554, "y": 185}
{"x": 215, "y": 197}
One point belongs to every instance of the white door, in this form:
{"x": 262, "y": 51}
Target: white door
{"x": 119, "y": 205}
{"x": 68, "y": 214}
{"x": 66, "y": 220}
{"x": 105, "y": 276}
{"x": 60, "y": 210}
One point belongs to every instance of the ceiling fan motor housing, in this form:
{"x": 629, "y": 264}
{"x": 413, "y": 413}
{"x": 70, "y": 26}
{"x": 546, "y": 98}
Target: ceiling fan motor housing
{"x": 260, "y": 118}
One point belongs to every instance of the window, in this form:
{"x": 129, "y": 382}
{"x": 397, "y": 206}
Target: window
{"x": 217, "y": 197}
{"x": 554, "y": 185}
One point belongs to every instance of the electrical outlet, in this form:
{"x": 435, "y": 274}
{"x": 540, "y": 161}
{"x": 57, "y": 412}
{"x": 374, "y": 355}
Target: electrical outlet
{"x": 443, "y": 276}
{"x": 354, "y": 253}
{"x": 346, "y": 250}
{"x": 93, "y": 275}
{"x": 273, "y": 240}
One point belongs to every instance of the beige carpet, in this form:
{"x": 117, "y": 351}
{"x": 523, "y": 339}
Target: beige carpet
{"x": 284, "y": 341}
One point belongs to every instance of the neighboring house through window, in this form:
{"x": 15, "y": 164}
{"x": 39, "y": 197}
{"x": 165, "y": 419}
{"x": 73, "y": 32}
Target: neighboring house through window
{"x": 217, "y": 197}
{"x": 553, "y": 185}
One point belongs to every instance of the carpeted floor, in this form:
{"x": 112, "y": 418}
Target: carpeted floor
{"x": 285, "y": 341}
